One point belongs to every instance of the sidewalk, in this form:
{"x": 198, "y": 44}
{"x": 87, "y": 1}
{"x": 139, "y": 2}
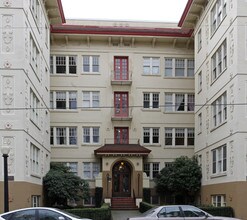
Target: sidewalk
{"x": 124, "y": 214}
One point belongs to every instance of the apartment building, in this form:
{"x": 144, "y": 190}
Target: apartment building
{"x": 25, "y": 86}
{"x": 220, "y": 91}
{"x": 122, "y": 102}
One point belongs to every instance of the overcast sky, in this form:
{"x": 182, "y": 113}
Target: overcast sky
{"x": 134, "y": 10}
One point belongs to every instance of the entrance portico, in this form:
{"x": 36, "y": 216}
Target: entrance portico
{"x": 122, "y": 170}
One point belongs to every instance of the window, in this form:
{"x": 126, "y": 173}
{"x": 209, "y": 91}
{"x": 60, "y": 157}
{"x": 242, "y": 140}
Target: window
{"x": 34, "y": 56}
{"x": 90, "y": 135}
{"x": 179, "y": 102}
{"x": 73, "y": 167}
{"x": 219, "y": 160}
{"x": 35, "y": 159}
{"x": 219, "y": 109}
{"x": 63, "y": 100}
{"x": 151, "y": 135}
{"x": 63, "y": 136}
{"x": 90, "y": 99}
{"x": 63, "y": 65}
{"x": 199, "y": 39}
{"x": 34, "y": 108}
{"x": 168, "y": 136}
{"x": 218, "y": 200}
{"x": 90, "y": 170}
{"x": 151, "y": 65}
{"x": 200, "y": 81}
{"x": 218, "y": 13}
{"x": 35, "y": 9}
{"x": 200, "y": 123}
{"x": 151, "y": 100}
{"x": 179, "y": 67}
{"x": 169, "y": 164}
{"x": 121, "y": 68}
{"x": 90, "y": 64}
{"x": 179, "y": 136}
{"x": 219, "y": 61}
{"x": 151, "y": 169}
{"x": 36, "y": 201}
{"x": 90, "y": 201}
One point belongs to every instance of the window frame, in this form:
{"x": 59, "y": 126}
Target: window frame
{"x": 151, "y": 100}
{"x": 68, "y": 98}
{"x": 35, "y": 160}
{"x": 219, "y": 111}
{"x": 93, "y": 133}
{"x": 151, "y": 169}
{"x": 93, "y": 169}
{"x": 219, "y": 160}
{"x": 92, "y": 63}
{"x": 185, "y": 65}
{"x": 152, "y": 134}
{"x": 69, "y": 64}
{"x": 92, "y": 100}
{"x": 67, "y": 135}
{"x": 152, "y": 64}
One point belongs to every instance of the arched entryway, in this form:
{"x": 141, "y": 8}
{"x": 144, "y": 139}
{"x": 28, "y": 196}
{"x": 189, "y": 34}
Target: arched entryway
{"x": 121, "y": 179}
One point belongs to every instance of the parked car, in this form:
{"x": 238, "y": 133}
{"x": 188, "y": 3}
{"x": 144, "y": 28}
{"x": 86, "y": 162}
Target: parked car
{"x": 178, "y": 212}
{"x": 39, "y": 213}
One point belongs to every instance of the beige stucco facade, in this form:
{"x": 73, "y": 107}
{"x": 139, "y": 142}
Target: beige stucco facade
{"x": 66, "y": 107}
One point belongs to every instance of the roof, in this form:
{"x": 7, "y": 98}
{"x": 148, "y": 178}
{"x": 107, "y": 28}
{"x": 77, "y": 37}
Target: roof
{"x": 192, "y": 13}
{"x": 54, "y": 11}
{"x": 122, "y": 149}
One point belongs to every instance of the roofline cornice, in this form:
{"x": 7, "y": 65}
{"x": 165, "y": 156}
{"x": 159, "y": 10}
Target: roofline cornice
{"x": 130, "y": 31}
{"x": 185, "y": 13}
{"x": 60, "y": 8}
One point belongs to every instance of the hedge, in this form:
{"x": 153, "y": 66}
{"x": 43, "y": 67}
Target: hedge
{"x": 102, "y": 213}
{"x": 145, "y": 206}
{"x": 219, "y": 211}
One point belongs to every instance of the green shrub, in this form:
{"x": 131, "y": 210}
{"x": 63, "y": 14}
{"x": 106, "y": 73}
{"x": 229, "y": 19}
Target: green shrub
{"x": 98, "y": 196}
{"x": 146, "y": 195}
{"x": 145, "y": 206}
{"x": 102, "y": 213}
{"x": 219, "y": 211}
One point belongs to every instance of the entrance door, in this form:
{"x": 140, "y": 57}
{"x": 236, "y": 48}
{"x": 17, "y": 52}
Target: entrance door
{"x": 121, "y": 68}
{"x": 121, "y": 135}
{"x": 121, "y": 104}
{"x": 121, "y": 180}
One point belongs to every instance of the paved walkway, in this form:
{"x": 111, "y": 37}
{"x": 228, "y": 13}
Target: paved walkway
{"x": 124, "y": 214}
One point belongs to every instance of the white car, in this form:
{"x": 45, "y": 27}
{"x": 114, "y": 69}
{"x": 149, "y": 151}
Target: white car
{"x": 177, "y": 212}
{"x": 39, "y": 213}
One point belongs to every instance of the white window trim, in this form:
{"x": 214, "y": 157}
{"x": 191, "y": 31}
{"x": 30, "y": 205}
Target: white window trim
{"x": 171, "y": 107}
{"x": 220, "y": 161}
{"x": 219, "y": 111}
{"x": 67, "y": 136}
{"x": 151, "y": 168}
{"x": 53, "y": 101}
{"x": 34, "y": 160}
{"x": 91, "y": 100}
{"x": 151, "y": 135}
{"x": 151, "y": 66}
{"x": 186, "y": 67}
{"x": 186, "y": 136}
{"x": 91, "y": 142}
{"x": 90, "y": 64}
{"x": 151, "y": 100}
{"x": 91, "y": 167}
{"x": 216, "y": 199}
{"x": 67, "y": 64}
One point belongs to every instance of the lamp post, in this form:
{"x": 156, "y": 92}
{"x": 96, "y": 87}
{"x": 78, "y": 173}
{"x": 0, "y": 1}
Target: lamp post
{"x": 5, "y": 152}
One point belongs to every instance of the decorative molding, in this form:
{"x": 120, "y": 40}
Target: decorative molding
{"x": 7, "y": 3}
{"x": 7, "y": 65}
{"x": 8, "y": 126}
{"x": 7, "y": 34}
{"x": 207, "y": 166}
{"x": 8, "y": 94}
{"x": 231, "y": 158}
{"x": 231, "y": 52}
{"x": 27, "y": 158}
{"x": 207, "y": 30}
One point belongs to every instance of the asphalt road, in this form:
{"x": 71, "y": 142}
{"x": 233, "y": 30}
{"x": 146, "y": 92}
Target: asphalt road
{"x": 124, "y": 214}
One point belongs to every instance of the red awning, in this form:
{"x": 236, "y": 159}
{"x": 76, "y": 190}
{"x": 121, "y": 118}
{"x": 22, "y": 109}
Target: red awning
{"x": 122, "y": 149}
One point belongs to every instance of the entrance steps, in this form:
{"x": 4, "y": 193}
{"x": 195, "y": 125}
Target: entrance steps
{"x": 123, "y": 203}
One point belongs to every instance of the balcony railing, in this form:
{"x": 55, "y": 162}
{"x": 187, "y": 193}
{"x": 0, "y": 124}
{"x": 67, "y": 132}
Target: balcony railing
{"x": 121, "y": 114}
{"x": 122, "y": 141}
{"x": 119, "y": 80}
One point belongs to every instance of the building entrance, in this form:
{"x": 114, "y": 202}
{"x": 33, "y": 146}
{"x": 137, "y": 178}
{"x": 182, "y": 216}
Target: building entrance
{"x": 121, "y": 182}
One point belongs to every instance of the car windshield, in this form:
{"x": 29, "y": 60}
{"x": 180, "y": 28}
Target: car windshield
{"x": 149, "y": 212}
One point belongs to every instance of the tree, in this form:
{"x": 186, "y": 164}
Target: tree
{"x": 182, "y": 179}
{"x": 61, "y": 185}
